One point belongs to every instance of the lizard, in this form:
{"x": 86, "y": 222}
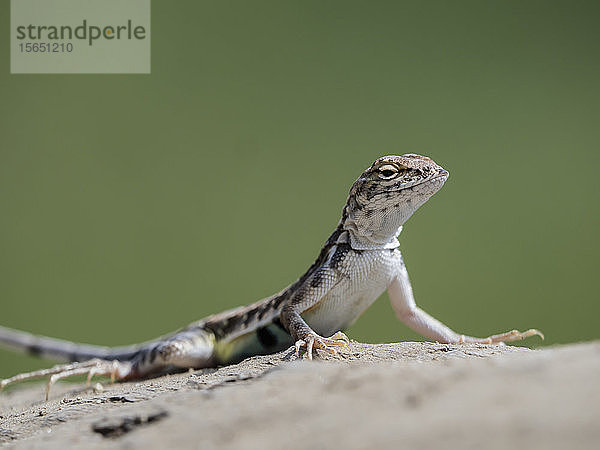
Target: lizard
{"x": 357, "y": 263}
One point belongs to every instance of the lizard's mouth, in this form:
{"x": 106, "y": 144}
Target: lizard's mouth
{"x": 434, "y": 179}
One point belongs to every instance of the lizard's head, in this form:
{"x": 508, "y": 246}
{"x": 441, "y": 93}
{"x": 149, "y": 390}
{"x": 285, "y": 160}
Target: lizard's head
{"x": 408, "y": 175}
{"x": 387, "y": 194}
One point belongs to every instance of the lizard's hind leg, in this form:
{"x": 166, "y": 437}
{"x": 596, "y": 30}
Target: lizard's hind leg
{"x": 112, "y": 369}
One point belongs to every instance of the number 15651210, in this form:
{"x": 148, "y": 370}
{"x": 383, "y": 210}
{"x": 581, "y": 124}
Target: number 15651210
{"x": 45, "y": 47}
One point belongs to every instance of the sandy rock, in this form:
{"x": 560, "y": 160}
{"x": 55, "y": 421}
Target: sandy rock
{"x": 404, "y": 395}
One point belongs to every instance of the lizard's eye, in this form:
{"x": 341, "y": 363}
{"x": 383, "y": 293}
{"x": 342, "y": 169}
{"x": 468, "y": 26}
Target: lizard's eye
{"x": 388, "y": 172}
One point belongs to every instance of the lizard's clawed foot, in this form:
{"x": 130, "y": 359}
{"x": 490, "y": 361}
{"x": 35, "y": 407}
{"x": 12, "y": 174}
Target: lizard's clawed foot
{"x": 112, "y": 369}
{"x": 314, "y": 341}
{"x": 509, "y": 336}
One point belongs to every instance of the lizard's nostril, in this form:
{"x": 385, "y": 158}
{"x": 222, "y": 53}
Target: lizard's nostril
{"x": 443, "y": 172}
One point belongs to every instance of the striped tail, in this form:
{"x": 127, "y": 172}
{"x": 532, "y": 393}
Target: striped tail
{"x": 59, "y": 349}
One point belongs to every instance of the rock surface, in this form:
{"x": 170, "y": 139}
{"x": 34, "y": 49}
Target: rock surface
{"x": 405, "y": 395}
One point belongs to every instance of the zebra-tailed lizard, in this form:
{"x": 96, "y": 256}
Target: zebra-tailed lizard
{"x": 358, "y": 262}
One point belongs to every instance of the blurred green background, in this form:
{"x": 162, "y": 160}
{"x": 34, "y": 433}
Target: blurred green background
{"x": 132, "y": 205}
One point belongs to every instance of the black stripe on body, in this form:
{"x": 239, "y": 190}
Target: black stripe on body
{"x": 266, "y": 338}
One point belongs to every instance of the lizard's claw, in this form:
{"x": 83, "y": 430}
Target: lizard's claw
{"x": 509, "y": 336}
{"x": 314, "y": 341}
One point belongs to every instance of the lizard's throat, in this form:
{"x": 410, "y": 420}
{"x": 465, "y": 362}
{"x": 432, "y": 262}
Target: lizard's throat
{"x": 378, "y": 229}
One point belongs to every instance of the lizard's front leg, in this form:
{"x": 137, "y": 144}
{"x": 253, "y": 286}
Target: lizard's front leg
{"x": 311, "y": 292}
{"x": 403, "y": 302}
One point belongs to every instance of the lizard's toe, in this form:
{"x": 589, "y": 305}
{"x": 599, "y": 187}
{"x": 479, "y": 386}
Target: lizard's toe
{"x": 314, "y": 341}
{"x": 309, "y": 343}
{"x": 513, "y": 335}
{"x": 299, "y": 344}
{"x": 338, "y": 339}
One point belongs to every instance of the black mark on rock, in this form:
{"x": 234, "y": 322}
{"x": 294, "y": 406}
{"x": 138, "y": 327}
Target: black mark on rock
{"x": 118, "y": 426}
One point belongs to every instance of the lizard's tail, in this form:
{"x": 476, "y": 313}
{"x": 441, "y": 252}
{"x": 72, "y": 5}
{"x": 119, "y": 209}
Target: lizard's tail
{"x": 59, "y": 349}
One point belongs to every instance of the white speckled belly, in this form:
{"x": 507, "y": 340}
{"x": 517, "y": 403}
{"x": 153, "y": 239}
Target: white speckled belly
{"x": 366, "y": 275}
